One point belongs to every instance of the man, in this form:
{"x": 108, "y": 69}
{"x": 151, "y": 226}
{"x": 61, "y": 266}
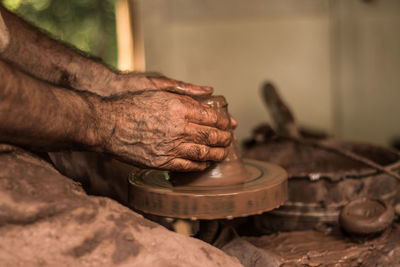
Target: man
{"x": 51, "y": 98}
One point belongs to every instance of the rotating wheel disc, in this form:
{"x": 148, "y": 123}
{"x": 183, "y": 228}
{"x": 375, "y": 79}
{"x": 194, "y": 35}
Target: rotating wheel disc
{"x": 264, "y": 190}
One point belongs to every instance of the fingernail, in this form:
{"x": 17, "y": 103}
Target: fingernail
{"x": 207, "y": 88}
{"x": 179, "y": 88}
{"x": 233, "y": 122}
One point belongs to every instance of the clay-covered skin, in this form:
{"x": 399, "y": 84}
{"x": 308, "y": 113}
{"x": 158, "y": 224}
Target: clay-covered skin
{"x": 138, "y": 81}
{"x": 164, "y": 130}
{"x": 152, "y": 128}
{"x": 228, "y": 172}
{"x": 50, "y": 60}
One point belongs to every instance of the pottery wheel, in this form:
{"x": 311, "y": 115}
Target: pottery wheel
{"x": 264, "y": 189}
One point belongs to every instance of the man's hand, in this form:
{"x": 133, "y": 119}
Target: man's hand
{"x": 138, "y": 81}
{"x": 156, "y": 129}
{"x": 163, "y": 130}
{"x": 52, "y": 61}
{"x": 135, "y": 81}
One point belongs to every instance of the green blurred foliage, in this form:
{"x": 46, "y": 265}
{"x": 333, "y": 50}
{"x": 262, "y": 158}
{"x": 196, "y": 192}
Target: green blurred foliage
{"x": 87, "y": 24}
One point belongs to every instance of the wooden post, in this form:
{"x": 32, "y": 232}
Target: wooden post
{"x": 136, "y": 15}
{"x": 130, "y": 35}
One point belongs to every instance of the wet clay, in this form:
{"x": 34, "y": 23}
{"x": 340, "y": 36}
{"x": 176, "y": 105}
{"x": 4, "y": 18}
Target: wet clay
{"x": 226, "y": 190}
{"x": 313, "y": 248}
{"x": 231, "y": 171}
{"x": 228, "y": 172}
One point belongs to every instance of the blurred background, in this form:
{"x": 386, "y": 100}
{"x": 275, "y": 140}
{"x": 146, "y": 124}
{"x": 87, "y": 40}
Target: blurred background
{"x": 86, "y": 24}
{"x": 336, "y": 62}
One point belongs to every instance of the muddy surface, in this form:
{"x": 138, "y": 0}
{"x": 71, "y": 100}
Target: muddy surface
{"x": 230, "y": 171}
{"x": 313, "y": 248}
{"x": 47, "y": 219}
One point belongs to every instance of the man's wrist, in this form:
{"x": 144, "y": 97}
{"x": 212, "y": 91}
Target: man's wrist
{"x": 102, "y": 123}
{"x": 93, "y": 76}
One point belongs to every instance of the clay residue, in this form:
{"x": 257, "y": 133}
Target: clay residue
{"x": 125, "y": 246}
{"x": 250, "y": 255}
{"x": 312, "y": 248}
{"x": 24, "y": 190}
{"x": 205, "y": 251}
{"x": 127, "y": 219}
{"x": 86, "y": 217}
{"x": 301, "y": 160}
{"x": 88, "y": 244}
{"x": 230, "y": 171}
{"x": 47, "y": 219}
{"x": 151, "y": 193}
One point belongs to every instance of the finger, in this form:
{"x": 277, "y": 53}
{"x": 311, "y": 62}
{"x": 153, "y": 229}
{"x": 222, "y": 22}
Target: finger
{"x": 207, "y": 116}
{"x": 178, "y": 164}
{"x": 200, "y": 152}
{"x": 179, "y": 87}
{"x": 203, "y": 91}
{"x": 205, "y": 135}
{"x": 233, "y": 122}
{"x": 191, "y": 89}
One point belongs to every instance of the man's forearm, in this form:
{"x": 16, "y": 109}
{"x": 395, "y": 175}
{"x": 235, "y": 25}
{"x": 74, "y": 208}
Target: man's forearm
{"x": 37, "y": 114}
{"x": 52, "y": 61}
{"x": 44, "y": 58}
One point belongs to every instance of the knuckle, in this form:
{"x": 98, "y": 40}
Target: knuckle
{"x": 208, "y": 116}
{"x": 227, "y": 139}
{"x": 195, "y": 152}
{"x": 184, "y": 165}
{"x": 199, "y": 152}
{"x": 213, "y": 116}
{"x": 213, "y": 137}
{"x": 203, "y": 136}
{"x": 204, "y": 152}
{"x": 175, "y": 105}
